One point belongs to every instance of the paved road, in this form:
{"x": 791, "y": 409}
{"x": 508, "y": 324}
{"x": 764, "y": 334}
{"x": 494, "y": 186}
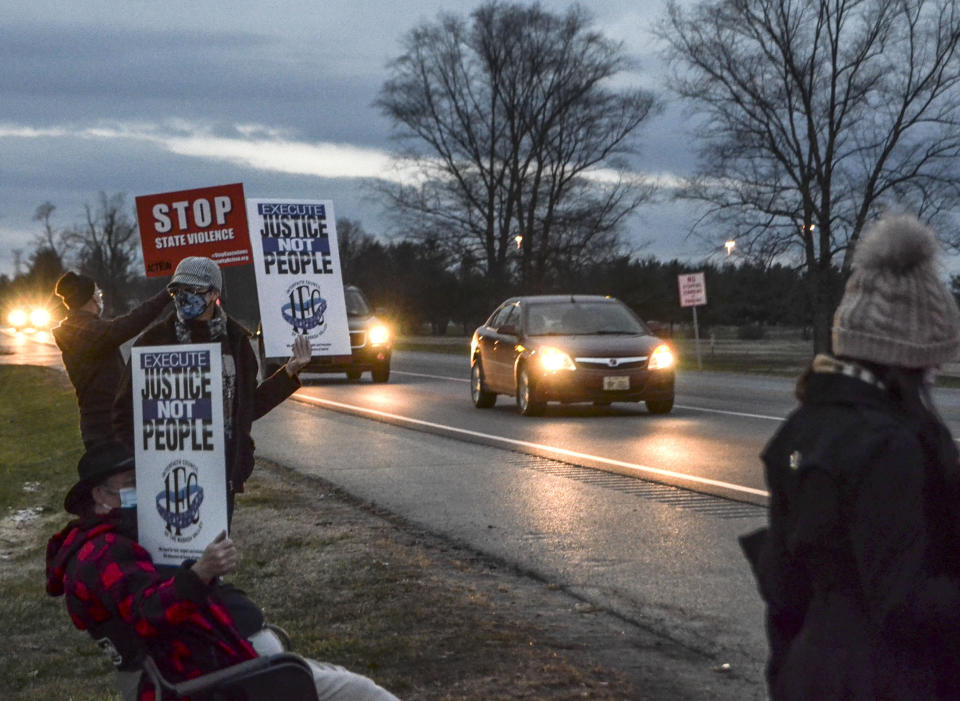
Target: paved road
{"x": 28, "y": 349}
{"x": 661, "y": 557}
{"x": 709, "y": 443}
{"x": 657, "y": 556}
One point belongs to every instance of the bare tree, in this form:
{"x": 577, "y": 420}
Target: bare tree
{"x": 46, "y": 266}
{"x": 816, "y": 115}
{"x": 508, "y": 119}
{"x": 106, "y": 247}
{"x": 50, "y": 237}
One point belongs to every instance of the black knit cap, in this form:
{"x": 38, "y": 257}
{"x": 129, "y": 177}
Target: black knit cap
{"x": 75, "y": 289}
{"x": 101, "y": 461}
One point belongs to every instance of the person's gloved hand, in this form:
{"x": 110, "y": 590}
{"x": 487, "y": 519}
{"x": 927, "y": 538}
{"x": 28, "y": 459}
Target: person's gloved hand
{"x": 218, "y": 558}
{"x": 301, "y": 355}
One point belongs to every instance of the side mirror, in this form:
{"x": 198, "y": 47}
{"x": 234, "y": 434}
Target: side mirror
{"x": 507, "y": 330}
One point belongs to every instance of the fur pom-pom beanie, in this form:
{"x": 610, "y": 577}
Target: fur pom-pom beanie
{"x": 895, "y": 309}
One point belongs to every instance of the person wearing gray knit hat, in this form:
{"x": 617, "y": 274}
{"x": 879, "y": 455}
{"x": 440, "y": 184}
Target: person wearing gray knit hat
{"x": 860, "y": 565}
{"x": 197, "y": 271}
{"x": 896, "y": 310}
{"x": 195, "y": 287}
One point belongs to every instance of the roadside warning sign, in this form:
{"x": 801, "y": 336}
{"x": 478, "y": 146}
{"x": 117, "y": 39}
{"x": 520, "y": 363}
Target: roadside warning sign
{"x": 693, "y": 290}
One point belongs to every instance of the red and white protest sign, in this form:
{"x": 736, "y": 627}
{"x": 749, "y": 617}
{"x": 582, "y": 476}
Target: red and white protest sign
{"x": 209, "y": 221}
{"x": 693, "y": 290}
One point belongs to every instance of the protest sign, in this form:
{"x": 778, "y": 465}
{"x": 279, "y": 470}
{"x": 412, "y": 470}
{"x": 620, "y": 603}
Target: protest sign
{"x": 299, "y": 282}
{"x": 210, "y": 221}
{"x": 178, "y": 431}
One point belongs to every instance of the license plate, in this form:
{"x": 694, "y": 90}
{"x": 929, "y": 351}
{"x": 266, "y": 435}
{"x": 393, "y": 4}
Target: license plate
{"x": 616, "y": 382}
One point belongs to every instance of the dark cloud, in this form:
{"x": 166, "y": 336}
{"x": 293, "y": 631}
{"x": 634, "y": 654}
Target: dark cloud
{"x": 53, "y": 73}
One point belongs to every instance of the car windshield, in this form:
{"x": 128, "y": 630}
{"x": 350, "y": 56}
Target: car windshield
{"x": 578, "y": 318}
{"x": 356, "y": 302}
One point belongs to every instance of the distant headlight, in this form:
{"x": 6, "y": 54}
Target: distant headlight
{"x": 552, "y": 359}
{"x": 661, "y": 358}
{"x": 18, "y": 317}
{"x": 39, "y": 318}
{"x": 378, "y": 335}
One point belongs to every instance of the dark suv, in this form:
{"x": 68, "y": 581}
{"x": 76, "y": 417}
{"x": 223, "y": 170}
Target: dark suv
{"x": 370, "y": 344}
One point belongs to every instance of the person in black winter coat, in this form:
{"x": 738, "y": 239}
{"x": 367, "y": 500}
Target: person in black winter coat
{"x": 860, "y": 565}
{"x": 91, "y": 349}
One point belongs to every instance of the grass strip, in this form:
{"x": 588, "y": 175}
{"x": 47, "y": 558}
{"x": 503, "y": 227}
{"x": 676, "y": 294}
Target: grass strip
{"x": 45, "y": 657}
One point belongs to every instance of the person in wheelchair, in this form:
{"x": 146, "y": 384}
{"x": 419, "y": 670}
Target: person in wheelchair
{"x": 133, "y": 611}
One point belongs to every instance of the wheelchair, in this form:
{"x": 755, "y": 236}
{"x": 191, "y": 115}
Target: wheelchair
{"x": 276, "y": 674}
{"x": 283, "y": 675}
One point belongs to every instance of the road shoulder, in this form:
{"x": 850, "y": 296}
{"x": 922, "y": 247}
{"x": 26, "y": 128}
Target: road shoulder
{"x": 430, "y": 618}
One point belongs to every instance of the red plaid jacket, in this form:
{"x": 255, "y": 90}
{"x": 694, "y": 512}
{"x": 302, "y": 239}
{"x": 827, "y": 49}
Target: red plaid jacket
{"x": 112, "y": 589}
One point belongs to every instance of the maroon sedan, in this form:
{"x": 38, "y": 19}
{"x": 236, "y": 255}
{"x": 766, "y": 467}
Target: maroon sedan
{"x": 569, "y": 348}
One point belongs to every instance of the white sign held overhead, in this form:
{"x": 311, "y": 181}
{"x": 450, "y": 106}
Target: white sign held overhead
{"x": 299, "y": 281}
{"x": 693, "y": 290}
{"x": 179, "y": 451}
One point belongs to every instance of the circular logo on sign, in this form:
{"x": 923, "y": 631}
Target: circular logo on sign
{"x": 305, "y": 308}
{"x": 178, "y": 503}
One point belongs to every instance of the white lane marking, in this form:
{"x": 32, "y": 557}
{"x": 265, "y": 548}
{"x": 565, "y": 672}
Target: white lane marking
{"x": 730, "y": 413}
{"x": 537, "y": 446}
{"x": 432, "y": 377}
{"x": 679, "y": 406}
{"x": 749, "y": 416}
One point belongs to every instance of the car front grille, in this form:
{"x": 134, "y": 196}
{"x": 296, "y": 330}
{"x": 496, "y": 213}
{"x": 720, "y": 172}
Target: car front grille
{"x": 627, "y": 363}
{"x": 358, "y": 339}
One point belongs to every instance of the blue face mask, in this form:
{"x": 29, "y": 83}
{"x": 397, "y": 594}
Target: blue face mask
{"x": 189, "y": 305}
{"x": 128, "y": 497}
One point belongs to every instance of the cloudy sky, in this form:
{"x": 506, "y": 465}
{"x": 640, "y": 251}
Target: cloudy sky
{"x": 145, "y": 97}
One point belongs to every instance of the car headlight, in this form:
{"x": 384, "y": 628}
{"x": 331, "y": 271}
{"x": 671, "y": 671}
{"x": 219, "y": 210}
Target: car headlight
{"x": 18, "y": 317}
{"x": 661, "y": 358}
{"x": 378, "y": 335}
{"x": 39, "y": 318}
{"x": 552, "y": 359}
